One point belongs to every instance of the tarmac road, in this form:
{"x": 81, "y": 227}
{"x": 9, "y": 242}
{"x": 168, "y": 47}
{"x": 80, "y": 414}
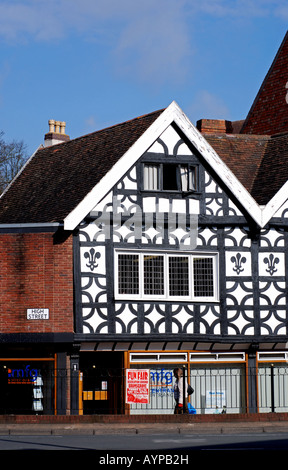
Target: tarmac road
{"x": 169, "y": 443}
{"x": 132, "y": 445}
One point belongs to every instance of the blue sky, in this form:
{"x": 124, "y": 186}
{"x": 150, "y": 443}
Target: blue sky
{"x": 95, "y": 63}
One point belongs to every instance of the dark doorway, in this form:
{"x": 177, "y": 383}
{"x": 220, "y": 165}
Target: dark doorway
{"x": 102, "y": 382}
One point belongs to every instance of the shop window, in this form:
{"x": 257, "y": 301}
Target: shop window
{"x": 27, "y": 386}
{"x": 217, "y": 378}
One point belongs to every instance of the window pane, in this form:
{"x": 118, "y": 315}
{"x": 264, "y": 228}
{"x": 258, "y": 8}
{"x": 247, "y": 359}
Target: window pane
{"x": 188, "y": 178}
{"x": 128, "y": 274}
{"x": 151, "y": 177}
{"x": 184, "y": 173}
{"x": 170, "y": 177}
{"x": 178, "y": 275}
{"x": 203, "y": 277}
{"x": 153, "y": 275}
{"x": 193, "y": 179}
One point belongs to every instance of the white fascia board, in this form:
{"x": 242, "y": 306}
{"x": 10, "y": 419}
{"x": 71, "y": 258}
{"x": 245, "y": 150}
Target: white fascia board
{"x": 275, "y": 204}
{"x": 172, "y": 113}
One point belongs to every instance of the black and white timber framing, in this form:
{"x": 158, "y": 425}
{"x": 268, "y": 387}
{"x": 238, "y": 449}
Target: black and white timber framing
{"x": 252, "y": 257}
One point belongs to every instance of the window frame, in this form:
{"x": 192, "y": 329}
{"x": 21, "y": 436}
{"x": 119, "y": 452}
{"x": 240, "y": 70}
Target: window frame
{"x": 160, "y": 175}
{"x": 166, "y": 295}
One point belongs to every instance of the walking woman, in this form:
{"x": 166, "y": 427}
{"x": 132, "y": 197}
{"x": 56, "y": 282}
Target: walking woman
{"x": 178, "y": 392}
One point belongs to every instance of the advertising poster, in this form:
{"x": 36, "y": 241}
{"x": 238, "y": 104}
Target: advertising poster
{"x": 215, "y": 401}
{"x": 137, "y": 386}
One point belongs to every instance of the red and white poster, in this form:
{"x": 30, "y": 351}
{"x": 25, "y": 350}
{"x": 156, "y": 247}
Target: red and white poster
{"x": 137, "y": 386}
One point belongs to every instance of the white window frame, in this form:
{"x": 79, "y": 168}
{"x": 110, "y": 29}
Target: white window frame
{"x": 167, "y": 254}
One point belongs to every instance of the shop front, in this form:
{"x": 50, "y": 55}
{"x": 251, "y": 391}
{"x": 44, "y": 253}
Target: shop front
{"x": 142, "y": 382}
{"x": 108, "y": 384}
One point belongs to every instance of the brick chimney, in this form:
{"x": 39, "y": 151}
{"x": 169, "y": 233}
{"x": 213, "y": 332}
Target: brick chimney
{"x": 56, "y": 134}
{"x": 214, "y": 126}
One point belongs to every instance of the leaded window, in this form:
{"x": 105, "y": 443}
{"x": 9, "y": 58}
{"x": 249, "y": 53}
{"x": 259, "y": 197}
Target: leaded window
{"x": 166, "y": 275}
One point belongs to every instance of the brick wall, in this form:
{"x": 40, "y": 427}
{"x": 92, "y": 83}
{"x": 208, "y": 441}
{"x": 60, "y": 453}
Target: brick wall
{"x": 35, "y": 272}
{"x": 131, "y": 420}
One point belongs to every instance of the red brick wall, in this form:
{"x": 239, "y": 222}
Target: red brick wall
{"x": 35, "y": 273}
{"x": 214, "y": 126}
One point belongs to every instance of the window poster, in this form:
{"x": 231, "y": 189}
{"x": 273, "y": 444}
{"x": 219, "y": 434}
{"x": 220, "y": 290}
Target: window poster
{"x": 137, "y": 386}
{"x": 215, "y": 401}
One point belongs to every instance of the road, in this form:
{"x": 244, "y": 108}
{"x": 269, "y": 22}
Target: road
{"x": 173, "y": 444}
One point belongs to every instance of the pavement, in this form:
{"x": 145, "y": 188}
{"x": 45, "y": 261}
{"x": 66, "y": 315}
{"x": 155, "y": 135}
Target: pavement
{"x": 143, "y": 428}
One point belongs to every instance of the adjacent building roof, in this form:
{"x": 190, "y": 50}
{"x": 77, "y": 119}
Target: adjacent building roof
{"x": 259, "y": 162}
{"x": 269, "y": 112}
{"x": 242, "y": 154}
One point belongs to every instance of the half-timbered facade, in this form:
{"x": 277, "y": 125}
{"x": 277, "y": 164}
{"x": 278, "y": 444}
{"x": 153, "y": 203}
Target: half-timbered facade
{"x": 169, "y": 245}
{"x": 179, "y": 257}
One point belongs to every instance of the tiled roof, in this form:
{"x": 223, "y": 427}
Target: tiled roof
{"x": 273, "y": 171}
{"x": 57, "y": 178}
{"x": 259, "y": 162}
{"x": 269, "y": 112}
{"x": 242, "y": 154}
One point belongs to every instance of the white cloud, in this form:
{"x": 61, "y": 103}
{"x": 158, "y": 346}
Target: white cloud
{"x": 146, "y": 39}
{"x": 207, "y": 106}
{"x": 158, "y": 42}
{"x": 42, "y": 20}
{"x": 22, "y": 21}
{"x": 282, "y": 12}
{"x": 240, "y": 8}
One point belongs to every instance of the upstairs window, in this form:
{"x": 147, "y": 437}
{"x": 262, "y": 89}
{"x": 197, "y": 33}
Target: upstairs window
{"x": 170, "y": 177}
{"x": 152, "y": 177}
{"x": 165, "y": 275}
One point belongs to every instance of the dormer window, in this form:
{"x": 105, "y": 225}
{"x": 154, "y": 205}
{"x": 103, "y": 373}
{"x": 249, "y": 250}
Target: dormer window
{"x": 170, "y": 177}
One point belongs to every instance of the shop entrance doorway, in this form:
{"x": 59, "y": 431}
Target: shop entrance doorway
{"x": 102, "y": 382}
